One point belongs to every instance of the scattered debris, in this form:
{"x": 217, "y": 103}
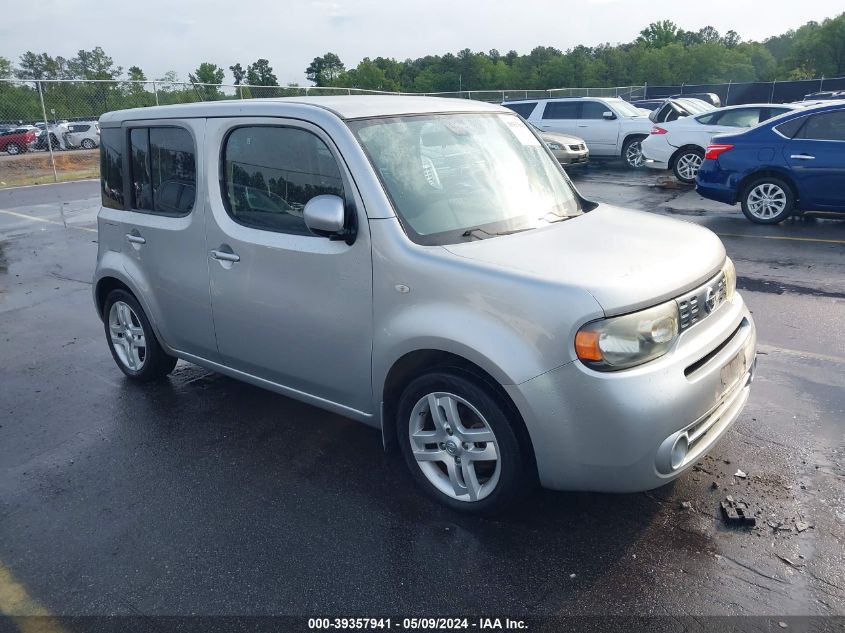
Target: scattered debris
{"x": 789, "y": 562}
{"x": 686, "y": 505}
{"x": 801, "y": 525}
{"x": 741, "y": 474}
{"x": 738, "y": 512}
{"x": 572, "y": 575}
{"x": 783, "y": 624}
{"x": 714, "y": 485}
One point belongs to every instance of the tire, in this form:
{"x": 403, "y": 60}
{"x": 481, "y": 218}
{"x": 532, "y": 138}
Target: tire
{"x": 453, "y": 470}
{"x": 687, "y": 164}
{"x": 768, "y": 200}
{"x": 13, "y": 149}
{"x": 632, "y": 152}
{"x": 87, "y": 143}
{"x": 142, "y": 359}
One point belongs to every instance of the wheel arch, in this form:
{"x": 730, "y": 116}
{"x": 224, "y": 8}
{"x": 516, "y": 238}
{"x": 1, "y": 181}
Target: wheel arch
{"x": 628, "y": 137}
{"x": 682, "y": 149}
{"x": 416, "y": 363}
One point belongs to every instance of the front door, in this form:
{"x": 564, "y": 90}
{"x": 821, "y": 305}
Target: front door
{"x": 601, "y": 134}
{"x": 289, "y": 307}
{"x": 817, "y": 157}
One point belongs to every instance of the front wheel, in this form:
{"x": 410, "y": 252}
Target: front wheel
{"x": 768, "y": 200}
{"x": 87, "y": 143}
{"x": 632, "y": 152}
{"x": 459, "y": 443}
{"x": 687, "y": 165}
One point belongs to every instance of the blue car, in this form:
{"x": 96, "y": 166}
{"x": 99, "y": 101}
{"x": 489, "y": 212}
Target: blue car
{"x": 793, "y": 162}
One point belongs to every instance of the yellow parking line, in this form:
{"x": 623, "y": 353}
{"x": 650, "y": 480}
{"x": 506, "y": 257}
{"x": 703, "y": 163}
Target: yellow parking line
{"x": 45, "y": 220}
{"x": 27, "y": 613}
{"x": 783, "y": 237}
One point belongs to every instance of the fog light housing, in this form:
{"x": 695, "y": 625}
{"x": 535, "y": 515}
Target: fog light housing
{"x": 679, "y": 451}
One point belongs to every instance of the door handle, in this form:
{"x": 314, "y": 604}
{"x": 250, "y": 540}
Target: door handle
{"x": 135, "y": 239}
{"x": 224, "y": 256}
{"x": 803, "y": 157}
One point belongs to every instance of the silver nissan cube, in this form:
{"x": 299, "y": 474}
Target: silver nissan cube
{"x": 424, "y": 266}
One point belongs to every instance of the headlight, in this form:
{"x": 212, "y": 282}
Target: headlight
{"x": 729, "y": 271}
{"x": 628, "y": 340}
{"x": 554, "y": 145}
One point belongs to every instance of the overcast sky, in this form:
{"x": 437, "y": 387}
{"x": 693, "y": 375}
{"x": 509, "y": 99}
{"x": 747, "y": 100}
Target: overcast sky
{"x": 162, "y": 35}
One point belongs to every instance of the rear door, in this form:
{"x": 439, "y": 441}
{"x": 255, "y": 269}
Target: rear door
{"x": 560, "y": 116}
{"x": 163, "y": 233}
{"x": 817, "y": 157}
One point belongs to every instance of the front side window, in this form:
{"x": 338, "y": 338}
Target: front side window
{"x": 593, "y": 110}
{"x": 459, "y": 177}
{"x": 111, "y": 167}
{"x": 270, "y": 173}
{"x": 163, "y": 168}
{"x": 825, "y": 126}
{"x": 623, "y": 108}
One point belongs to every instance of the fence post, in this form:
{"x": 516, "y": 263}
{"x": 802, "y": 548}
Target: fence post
{"x": 47, "y": 132}
{"x": 155, "y": 91}
{"x": 772, "y": 96}
{"x": 728, "y": 95}
{"x": 645, "y": 90}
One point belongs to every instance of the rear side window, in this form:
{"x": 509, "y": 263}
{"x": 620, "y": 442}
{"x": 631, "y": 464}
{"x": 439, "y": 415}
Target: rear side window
{"x": 707, "y": 119}
{"x": 742, "y": 117}
{"x": 164, "y": 170}
{"x": 825, "y": 126}
{"x": 561, "y": 110}
{"x": 270, "y": 173}
{"x": 111, "y": 167}
{"x": 791, "y": 127}
{"x": 522, "y": 109}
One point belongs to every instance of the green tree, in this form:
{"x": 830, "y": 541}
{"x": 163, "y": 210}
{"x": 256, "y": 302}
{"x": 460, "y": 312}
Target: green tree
{"x": 5, "y": 68}
{"x": 238, "y": 73}
{"x": 260, "y": 73}
{"x": 659, "y": 34}
{"x": 323, "y": 71}
{"x": 206, "y": 78}
{"x": 93, "y": 64}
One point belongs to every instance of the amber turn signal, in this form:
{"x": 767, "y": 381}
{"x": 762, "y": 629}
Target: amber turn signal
{"x": 587, "y": 345}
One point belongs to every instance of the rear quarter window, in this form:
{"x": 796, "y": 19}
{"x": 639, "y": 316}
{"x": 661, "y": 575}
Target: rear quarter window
{"x": 522, "y": 109}
{"x": 111, "y": 167}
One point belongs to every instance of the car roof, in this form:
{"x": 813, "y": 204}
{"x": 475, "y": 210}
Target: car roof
{"x": 538, "y": 99}
{"x": 343, "y": 106}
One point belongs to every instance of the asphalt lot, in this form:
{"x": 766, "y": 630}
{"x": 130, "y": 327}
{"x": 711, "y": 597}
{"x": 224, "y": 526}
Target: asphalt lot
{"x": 203, "y": 495}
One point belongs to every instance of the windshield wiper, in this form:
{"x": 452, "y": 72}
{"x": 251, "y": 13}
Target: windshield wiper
{"x": 473, "y": 232}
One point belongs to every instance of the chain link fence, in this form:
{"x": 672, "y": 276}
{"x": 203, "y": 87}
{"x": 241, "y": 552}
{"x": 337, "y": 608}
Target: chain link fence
{"x": 49, "y": 131}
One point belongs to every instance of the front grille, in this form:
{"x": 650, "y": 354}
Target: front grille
{"x": 698, "y": 304}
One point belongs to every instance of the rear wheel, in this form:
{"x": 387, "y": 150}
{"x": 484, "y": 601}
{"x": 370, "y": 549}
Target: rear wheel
{"x": 632, "y": 152}
{"x": 131, "y": 339}
{"x": 87, "y": 143}
{"x": 768, "y": 200}
{"x": 13, "y": 149}
{"x": 687, "y": 165}
{"x": 459, "y": 443}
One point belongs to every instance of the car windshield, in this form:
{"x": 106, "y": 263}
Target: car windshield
{"x": 459, "y": 177}
{"x": 623, "y": 108}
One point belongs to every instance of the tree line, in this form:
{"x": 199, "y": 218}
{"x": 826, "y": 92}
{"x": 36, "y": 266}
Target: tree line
{"x": 662, "y": 54}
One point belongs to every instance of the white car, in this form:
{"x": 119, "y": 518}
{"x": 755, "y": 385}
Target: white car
{"x": 85, "y": 134}
{"x": 611, "y": 127}
{"x": 679, "y": 145}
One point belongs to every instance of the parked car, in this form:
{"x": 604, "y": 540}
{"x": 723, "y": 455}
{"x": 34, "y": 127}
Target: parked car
{"x": 443, "y": 284}
{"x": 791, "y": 163}
{"x": 84, "y": 134}
{"x": 58, "y": 138}
{"x": 569, "y": 150}
{"x": 16, "y": 140}
{"x": 827, "y": 95}
{"x": 680, "y": 145}
{"x": 674, "y": 109}
{"x": 710, "y": 97}
{"x": 610, "y": 127}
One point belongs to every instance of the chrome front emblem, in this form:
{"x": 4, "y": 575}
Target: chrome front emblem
{"x": 710, "y": 299}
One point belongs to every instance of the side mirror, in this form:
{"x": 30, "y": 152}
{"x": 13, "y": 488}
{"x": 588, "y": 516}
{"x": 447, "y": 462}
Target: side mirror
{"x": 607, "y": 114}
{"x": 326, "y": 216}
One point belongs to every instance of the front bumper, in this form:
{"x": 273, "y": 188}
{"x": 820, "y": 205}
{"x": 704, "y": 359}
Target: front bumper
{"x": 615, "y": 431}
{"x": 570, "y": 158}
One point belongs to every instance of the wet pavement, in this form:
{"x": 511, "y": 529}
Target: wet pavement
{"x": 203, "y": 495}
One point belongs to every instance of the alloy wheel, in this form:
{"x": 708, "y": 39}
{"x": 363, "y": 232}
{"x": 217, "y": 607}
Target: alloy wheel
{"x": 127, "y": 336}
{"x": 766, "y": 201}
{"x": 454, "y": 446}
{"x": 688, "y": 165}
{"x": 634, "y": 154}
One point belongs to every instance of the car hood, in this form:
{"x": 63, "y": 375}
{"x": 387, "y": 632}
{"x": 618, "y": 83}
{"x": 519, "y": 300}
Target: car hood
{"x": 564, "y": 139}
{"x": 626, "y": 259}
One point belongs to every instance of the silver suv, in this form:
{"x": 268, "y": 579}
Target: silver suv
{"x": 424, "y": 266}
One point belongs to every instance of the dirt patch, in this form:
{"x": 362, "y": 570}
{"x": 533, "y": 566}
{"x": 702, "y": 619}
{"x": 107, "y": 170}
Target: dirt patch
{"x": 35, "y": 168}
